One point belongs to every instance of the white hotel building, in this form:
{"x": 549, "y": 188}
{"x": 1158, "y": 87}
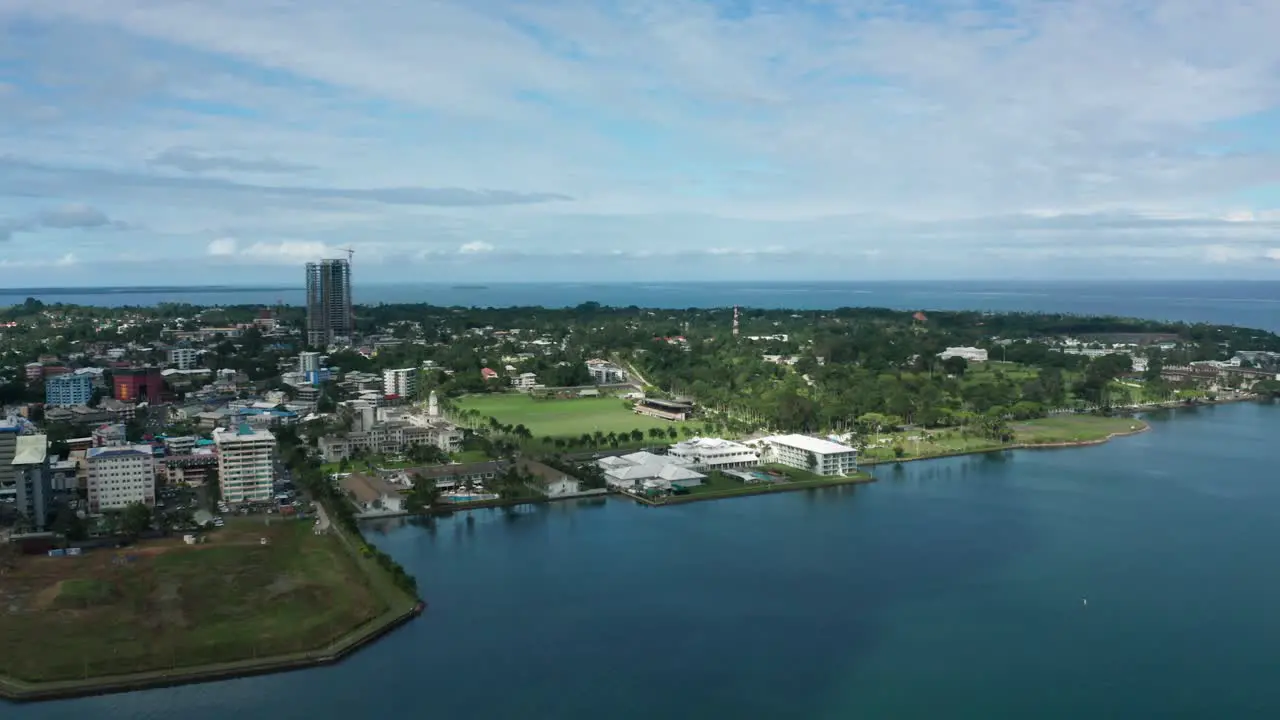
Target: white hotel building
{"x": 802, "y": 452}
{"x": 400, "y": 382}
{"x": 715, "y": 454}
{"x": 120, "y": 476}
{"x": 246, "y": 464}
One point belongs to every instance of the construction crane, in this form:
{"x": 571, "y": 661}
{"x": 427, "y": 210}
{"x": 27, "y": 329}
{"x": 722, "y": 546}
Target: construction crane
{"x": 350, "y": 254}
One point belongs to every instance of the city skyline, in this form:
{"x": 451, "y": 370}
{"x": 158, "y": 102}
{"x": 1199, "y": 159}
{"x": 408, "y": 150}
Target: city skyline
{"x": 569, "y": 140}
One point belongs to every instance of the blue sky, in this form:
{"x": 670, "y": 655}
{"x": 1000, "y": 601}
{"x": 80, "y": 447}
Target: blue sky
{"x": 225, "y": 141}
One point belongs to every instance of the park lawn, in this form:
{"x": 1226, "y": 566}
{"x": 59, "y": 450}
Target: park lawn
{"x": 563, "y": 418}
{"x": 720, "y": 485}
{"x": 925, "y": 444}
{"x": 173, "y": 605}
{"x": 1073, "y": 428}
{"x": 470, "y": 456}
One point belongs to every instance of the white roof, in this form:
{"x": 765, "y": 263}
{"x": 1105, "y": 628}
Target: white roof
{"x": 809, "y": 444}
{"x": 30, "y": 449}
{"x": 700, "y": 443}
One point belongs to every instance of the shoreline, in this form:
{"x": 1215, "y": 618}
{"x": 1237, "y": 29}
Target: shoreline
{"x": 1144, "y": 426}
{"x": 16, "y": 690}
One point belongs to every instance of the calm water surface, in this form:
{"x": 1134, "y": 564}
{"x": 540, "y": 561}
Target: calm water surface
{"x": 1248, "y": 304}
{"x": 948, "y": 589}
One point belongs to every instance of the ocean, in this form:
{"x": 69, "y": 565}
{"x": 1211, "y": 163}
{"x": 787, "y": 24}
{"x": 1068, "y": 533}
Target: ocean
{"x": 1134, "y": 579}
{"x": 1248, "y": 304}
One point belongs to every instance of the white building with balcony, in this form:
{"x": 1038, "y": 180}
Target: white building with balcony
{"x": 715, "y": 454}
{"x": 401, "y": 382}
{"x": 815, "y": 455}
{"x": 119, "y": 476}
{"x": 246, "y": 464}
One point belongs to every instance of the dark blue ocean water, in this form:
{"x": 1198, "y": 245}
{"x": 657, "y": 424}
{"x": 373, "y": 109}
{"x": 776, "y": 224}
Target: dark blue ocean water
{"x": 948, "y": 589}
{"x": 1249, "y": 304}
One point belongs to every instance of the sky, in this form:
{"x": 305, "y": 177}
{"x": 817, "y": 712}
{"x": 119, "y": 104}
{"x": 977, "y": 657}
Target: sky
{"x": 196, "y": 142}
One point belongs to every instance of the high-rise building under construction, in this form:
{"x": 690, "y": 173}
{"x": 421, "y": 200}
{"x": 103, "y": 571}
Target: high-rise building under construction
{"x": 329, "y": 315}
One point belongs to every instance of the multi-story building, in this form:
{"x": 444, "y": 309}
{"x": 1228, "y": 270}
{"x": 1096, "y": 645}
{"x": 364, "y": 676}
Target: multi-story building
{"x": 9, "y": 434}
{"x": 120, "y": 476}
{"x": 308, "y": 362}
{"x": 34, "y": 371}
{"x": 31, "y": 473}
{"x": 524, "y": 381}
{"x": 180, "y": 445}
{"x": 818, "y": 456}
{"x": 135, "y": 385}
{"x": 329, "y": 316}
{"x": 246, "y": 464}
{"x": 183, "y": 358}
{"x": 604, "y": 372}
{"x": 400, "y": 382}
{"x": 109, "y": 436}
{"x": 715, "y": 454}
{"x": 67, "y": 390}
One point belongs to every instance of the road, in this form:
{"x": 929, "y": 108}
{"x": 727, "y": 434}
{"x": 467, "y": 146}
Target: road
{"x": 322, "y": 519}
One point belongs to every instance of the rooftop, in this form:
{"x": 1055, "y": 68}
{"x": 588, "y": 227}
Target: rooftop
{"x": 121, "y": 451}
{"x": 810, "y": 444}
{"x": 30, "y": 450}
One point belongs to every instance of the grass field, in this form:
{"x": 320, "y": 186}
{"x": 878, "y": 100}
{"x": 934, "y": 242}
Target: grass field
{"x": 719, "y": 485}
{"x": 1040, "y": 431}
{"x": 563, "y": 418}
{"x": 174, "y": 605}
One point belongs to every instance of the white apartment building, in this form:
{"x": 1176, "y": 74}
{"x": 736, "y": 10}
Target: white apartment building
{"x": 308, "y": 362}
{"x": 400, "y": 382}
{"x": 715, "y": 454}
{"x": 183, "y": 358}
{"x": 524, "y": 381}
{"x": 818, "y": 456}
{"x": 120, "y": 476}
{"x": 604, "y": 372}
{"x": 971, "y": 354}
{"x": 246, "y": 464}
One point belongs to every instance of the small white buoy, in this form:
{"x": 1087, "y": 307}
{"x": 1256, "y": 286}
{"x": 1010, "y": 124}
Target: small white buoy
{"x": 1084, "y": 601}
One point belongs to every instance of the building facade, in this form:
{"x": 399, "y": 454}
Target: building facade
{"x": 308, "y": 362}
{"x": 183, "y": 358}
{"x": 67, "y": 390}
{"x": 133, "y": 385}
{"x": 8, "y": 448}
{"x": 815, "y": 455}
{"x": 31, "y": 473}
{"x": 120, "y": 476}
{"x": 715, "y": 454}
{"x": 401, "y": 382}
{"x": 329, "y": 316}
{"x": 246, "y": 464}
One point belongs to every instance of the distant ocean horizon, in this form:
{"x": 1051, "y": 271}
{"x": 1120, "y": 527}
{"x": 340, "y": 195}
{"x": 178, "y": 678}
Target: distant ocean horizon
{"x": 1253, "y": 304}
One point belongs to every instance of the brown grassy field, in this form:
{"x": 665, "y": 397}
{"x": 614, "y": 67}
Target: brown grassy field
{"x": 164, "y": 604}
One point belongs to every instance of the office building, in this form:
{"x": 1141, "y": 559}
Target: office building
{"x": 120, "y": 476}
{"x": 308, "y": 362}
{"x": 31, "y": 473}
{"x": 67, "y": 390}
{"x": 8, "y": 448}
{"x": 246, "y": 464}
{"x": 134, "y": 385}
{"x": 183, "y": 358}
{"x": 818, "y": 456}
{"x": 401, "y": 382}
{"x": 329, "y": 316}
{"x": 110, "y": 435}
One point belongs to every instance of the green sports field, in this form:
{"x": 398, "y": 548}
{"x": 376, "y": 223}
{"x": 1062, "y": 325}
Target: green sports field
{"x": 562, "y": 418}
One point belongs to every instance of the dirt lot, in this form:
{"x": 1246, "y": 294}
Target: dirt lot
{"x": 166, "y": 604}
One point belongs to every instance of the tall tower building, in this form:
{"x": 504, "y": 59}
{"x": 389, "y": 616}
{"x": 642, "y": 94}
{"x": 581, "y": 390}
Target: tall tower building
{"x": 328, "y": 301}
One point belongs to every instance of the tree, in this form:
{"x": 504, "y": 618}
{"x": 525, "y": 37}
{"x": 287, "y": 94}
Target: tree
{"x": 813, "y": 461}
{"x": 136, "y": 519}
{"x": 955, "y": 365}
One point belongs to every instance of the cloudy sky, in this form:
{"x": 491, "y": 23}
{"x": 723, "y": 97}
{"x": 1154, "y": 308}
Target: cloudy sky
{"x": 229, "y": 141}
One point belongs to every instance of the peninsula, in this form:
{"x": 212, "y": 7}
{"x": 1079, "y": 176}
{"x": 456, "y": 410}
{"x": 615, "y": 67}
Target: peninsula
{"x": 182, "y": 486}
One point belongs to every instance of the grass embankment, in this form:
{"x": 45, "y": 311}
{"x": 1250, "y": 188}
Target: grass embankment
{"x": 569, "y": 419}
{"x": 1058, "y": 430}
{"x": 166, "y": 608}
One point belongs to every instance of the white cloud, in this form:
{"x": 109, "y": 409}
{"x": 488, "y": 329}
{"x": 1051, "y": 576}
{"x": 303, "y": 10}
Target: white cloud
{"x": 475, "y": 247}
{"x": 946, "y": 131}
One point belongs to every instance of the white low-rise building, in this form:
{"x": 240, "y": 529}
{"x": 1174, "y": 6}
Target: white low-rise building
{"x": 524, "y": 381}
{"x": 401, "y": 382}
{"x": 972, "y": 354}
{"x": 715, "y": 454}
{"x": 818, "y": 456}
{"x": 642, "y": 471}
{"x": 120, "y": 476}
